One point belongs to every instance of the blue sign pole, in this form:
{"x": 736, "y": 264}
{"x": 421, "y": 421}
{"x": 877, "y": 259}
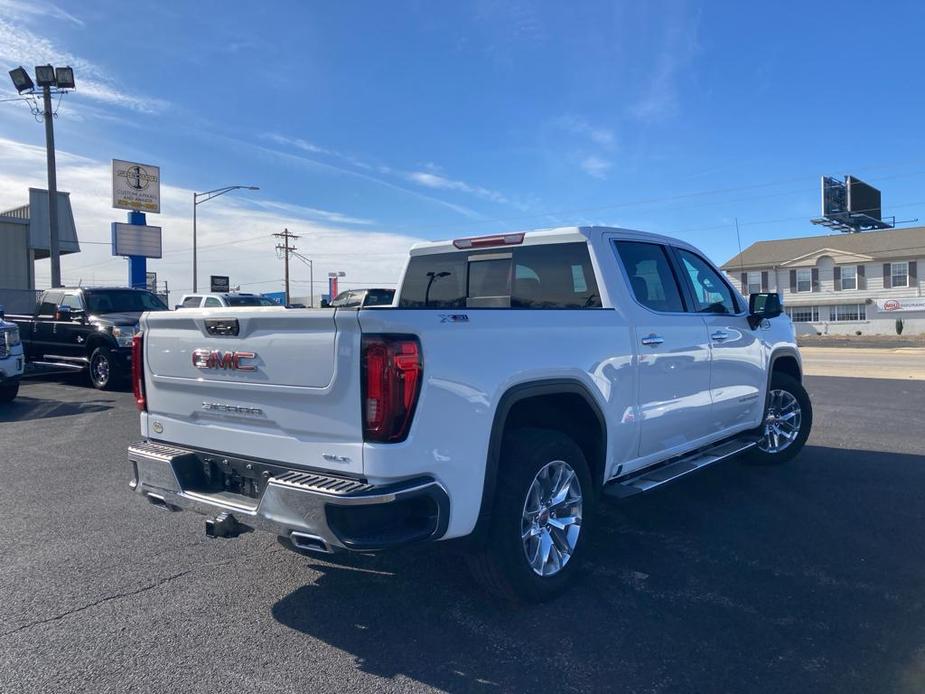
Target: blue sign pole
{"x": 137, "y": 264}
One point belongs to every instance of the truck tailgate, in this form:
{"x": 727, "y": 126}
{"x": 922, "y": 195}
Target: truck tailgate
{"x": 273, "y": 384}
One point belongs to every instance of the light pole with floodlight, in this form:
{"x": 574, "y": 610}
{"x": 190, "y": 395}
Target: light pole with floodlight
{"x": 62, "y": 79}
{"x": 208, "y": 195}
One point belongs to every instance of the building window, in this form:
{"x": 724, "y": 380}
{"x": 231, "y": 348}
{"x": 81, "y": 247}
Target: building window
{"x": 804, "y": 280}
{"x": 754, "y": 283}
{"x": 848, "y": 312}
{"x": 803, "y": 314}
{"x": 899, "y": 274}
{"x": 849, "y": 277}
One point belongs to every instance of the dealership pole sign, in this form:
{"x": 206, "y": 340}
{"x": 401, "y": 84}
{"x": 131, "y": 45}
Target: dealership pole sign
{"x": 916, "y": 303}
{"x": 136, "y": 186}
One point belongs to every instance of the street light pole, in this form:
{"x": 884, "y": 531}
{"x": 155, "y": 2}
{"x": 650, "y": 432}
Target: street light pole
{"x": 54, "y": 249}
{"x": 195, "y": 283}
{"x": 208, "y": 195}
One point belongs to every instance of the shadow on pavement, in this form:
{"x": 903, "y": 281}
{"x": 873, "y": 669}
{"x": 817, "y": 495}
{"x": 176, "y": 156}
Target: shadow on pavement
{"x": 25, "y": 407}
{"x": 802, "y": 577}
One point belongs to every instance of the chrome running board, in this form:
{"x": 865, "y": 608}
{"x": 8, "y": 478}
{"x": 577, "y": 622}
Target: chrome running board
{"x": 662, "y": 473}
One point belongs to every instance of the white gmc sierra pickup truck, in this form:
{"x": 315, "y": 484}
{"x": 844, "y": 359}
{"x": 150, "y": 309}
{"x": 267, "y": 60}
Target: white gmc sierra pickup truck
{"x": 515, "y": 380}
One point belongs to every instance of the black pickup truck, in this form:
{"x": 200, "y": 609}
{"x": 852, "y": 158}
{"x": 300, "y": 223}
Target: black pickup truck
{"x": 87, "y": 328}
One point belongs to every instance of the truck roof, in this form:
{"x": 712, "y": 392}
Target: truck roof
{"x": 544, "y": 236}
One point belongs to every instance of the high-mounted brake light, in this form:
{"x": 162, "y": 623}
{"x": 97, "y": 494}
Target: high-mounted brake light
{"x": 488, "y": 241}
{"x": 138, "y": 372}
{"x": 392, "y": 374}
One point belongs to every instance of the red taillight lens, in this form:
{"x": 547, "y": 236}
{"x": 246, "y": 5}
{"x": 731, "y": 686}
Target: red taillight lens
{"x": 138, "y": 372}
{"x": 392, "y": 373}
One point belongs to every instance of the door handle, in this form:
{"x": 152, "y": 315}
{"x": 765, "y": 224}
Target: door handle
{"x": 719, "y": 336}
{"x": 652, "y": 340}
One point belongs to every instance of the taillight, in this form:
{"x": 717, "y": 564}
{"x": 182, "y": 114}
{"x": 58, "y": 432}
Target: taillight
{"x": 392, "y": 373}
{"x": 138, "y": 372}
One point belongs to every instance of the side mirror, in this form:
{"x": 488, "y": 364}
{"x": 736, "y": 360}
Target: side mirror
{"x": 763, "y": 306}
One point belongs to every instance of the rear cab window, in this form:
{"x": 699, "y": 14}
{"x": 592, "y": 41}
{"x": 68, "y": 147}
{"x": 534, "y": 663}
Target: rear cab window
{"x": 543, "y": 276}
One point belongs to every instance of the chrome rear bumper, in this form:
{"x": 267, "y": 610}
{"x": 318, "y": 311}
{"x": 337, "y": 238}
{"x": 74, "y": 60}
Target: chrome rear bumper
{"x": 315, "y": 511}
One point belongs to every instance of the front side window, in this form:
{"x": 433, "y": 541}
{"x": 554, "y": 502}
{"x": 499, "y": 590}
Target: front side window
{"x": 212, "y": 302}
{"x": 900, "y": 274}
{"x": 711, "y": 293}
{"x": 72, "y": 301}
{"x": 651, "y": 277}
{"x": 754, "y": 282}
{"x": 849, "y": 277}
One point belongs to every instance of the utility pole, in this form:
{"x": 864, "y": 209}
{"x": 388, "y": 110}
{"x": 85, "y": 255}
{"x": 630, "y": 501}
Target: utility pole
{"x": 286, "y": 250}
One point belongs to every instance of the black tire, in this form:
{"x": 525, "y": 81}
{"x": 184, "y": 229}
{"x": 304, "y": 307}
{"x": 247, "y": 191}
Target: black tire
{"x": 102, "y": 369}
{"x": 8, "y": 391}
{"x": 763, "y": 453}
{"x": 500, "y": 564}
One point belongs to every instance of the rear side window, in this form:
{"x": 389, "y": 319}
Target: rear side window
{"x": 552, "y": 276}
{"x": 50, "y": 301}
{"x": 379, "y": 297}
{"x": 191, "y": 302}
{"x": 650, "y": 275}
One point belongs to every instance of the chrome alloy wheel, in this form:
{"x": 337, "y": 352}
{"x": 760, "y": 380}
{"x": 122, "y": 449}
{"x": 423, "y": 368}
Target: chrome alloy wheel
{"x": 99, "y": 367}
{"x": 551, "y": 520}
{"x": 782, "y": 422}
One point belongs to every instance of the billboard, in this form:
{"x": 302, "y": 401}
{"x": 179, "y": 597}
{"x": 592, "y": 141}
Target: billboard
{"x": 136, "y": 186}
{"x": 863, "y": 198}
{"x": 219, "y": 283}
{"x": 834, "y": 197}
{"x": 136, "y": 240}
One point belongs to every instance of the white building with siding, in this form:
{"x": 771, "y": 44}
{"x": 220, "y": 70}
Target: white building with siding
{"x": 840, "y": 284}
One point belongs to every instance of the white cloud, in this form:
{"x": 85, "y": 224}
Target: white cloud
{"x": 20, "y": 46}
{"x": 579, "y": 126}
{"x": 428, "y": 179}
{"x": 22, "y": 9}
{"x": 234, "y": 234}
{"x": 595, "y": 166}
{"x": 347, "y": 165}
{"x": 679, "y": 46}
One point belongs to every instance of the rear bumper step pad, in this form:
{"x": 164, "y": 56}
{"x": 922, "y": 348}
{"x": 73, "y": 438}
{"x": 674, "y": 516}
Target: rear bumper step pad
{"x": 341, "y": 512}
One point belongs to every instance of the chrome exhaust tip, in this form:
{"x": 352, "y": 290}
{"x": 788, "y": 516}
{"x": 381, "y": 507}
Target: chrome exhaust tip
{"x": 309, "y": 543}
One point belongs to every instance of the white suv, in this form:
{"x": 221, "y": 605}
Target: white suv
{"x": 223, "y": 299}
{"x": 514, "y": 382}
{"x": 11, "y": 359}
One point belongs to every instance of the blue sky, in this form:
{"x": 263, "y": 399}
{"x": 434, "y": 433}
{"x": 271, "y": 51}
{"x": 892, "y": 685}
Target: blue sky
{"x": 369, "y": 125}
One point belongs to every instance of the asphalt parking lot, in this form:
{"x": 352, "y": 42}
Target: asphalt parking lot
{"x": 802, "y": 578}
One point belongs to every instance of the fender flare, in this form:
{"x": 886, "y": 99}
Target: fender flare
{"x": 513, "y": 395}
{"x": 777, "y": 355}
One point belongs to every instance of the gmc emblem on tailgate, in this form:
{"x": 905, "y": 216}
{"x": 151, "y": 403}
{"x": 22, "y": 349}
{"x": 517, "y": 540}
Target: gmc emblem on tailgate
{"x": 213, "y": 359}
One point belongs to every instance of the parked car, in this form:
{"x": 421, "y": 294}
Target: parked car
{"x": 355, "y": 298}
{"x": 224, "y": 300}
{"x": 517, "y": 380}
{"x": 11, "y": 359}
{"x": 86, "y": 329}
